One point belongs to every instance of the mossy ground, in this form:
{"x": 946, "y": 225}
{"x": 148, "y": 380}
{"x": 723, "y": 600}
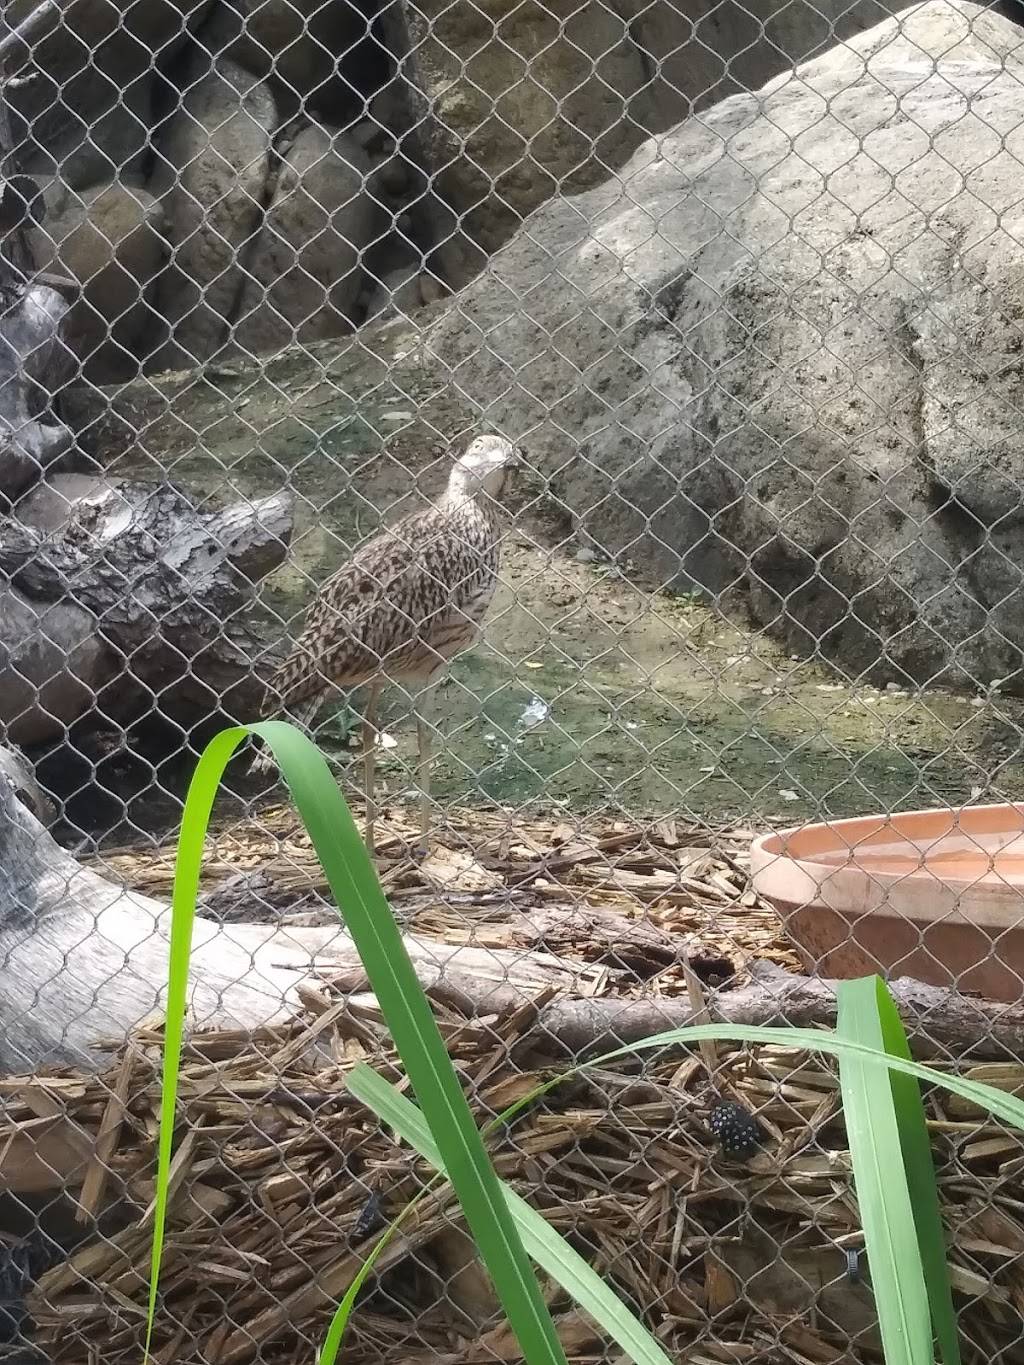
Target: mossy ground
{"x": 653, "y": 703}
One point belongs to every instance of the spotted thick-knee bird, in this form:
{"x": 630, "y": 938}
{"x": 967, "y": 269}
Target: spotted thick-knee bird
{"x": 410, "y": 598}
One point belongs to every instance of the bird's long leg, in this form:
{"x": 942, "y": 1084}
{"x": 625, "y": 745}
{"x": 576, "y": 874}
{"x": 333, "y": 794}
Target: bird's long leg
{"x": 369, "y": 750}
{"x": 425, "y": 734}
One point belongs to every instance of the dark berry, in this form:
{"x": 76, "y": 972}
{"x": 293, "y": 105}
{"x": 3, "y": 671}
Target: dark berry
{"x": 369, "y": 1220}
{"x": 736, "y": 1128}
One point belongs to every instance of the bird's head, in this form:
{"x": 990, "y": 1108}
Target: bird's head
{"x": 485, "y": 466}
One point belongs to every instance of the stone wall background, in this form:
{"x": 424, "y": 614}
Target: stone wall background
{"x": 234, "y": 174}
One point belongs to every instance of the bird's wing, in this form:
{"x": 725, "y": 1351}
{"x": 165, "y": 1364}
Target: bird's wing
{"x": 375, "y": 604}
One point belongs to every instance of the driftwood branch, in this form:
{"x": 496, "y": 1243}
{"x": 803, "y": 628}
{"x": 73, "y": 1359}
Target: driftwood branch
{"x": 83, "y": 960}
{"x": 129, "y": 580}
{"x": 939, "y": 1022}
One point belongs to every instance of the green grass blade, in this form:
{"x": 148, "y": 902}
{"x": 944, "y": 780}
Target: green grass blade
{"x": 339, "y": 1322}
{"x": 202, "y": 791}
{"x": 357, "y": 892}
{"x": 547, "y": 1247}
{"x": 879, "y": 1177}
{"x": 874, "y": 1019}
{"x": 613, "y": 1317}
{"x": 1007, "y": 1107}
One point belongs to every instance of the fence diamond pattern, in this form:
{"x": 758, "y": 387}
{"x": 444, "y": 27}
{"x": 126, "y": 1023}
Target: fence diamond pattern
{"x": 743, "y": 284}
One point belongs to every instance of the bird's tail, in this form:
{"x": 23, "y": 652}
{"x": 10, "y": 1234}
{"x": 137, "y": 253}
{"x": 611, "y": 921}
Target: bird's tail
{"x": 299, "y": 682}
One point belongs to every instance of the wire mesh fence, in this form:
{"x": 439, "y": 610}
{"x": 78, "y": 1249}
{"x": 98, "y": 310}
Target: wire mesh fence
{"x": 732, "y": 295}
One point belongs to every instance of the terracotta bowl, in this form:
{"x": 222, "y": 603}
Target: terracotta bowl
{"x": 936, "y": 894}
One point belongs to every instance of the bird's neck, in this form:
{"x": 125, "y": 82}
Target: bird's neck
{"x": 463, "y": 486}
{"x": 464, "y": 492}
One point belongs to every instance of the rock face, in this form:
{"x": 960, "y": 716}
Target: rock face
{"x": 87, "y": 110}
{"x": 110, "y": 240}
{"x": 781, "y": 354}
{"x": 298, "y": 42}
{"x": 471, "y": 113}
{"x": 703, "y": 51}
{"x": 53, "y": 662}
{"x": 216, "y": 158}
{"x": 519, "y": 102}
{"x": 304, "y": 274}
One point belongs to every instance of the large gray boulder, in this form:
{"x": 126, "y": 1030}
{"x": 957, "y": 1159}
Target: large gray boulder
{"x": 516, "y": 102}
{"x": 300, "y": 42}
{"x": 110, "y": 241}
{"x": 779, "y": 355}
{"x": 305, "y": 271}
{"x": 86, "y": 112}
{"x": 211, "y": 178}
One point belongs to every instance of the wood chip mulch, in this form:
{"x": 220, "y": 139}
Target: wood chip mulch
{"x": 281, "y": 1180}
{"x": 489, "y": 870}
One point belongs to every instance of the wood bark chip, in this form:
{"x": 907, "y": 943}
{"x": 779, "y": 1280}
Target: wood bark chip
{"x": 276, "y": 1163}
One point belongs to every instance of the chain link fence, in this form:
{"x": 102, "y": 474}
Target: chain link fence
{"x": 742, "y": 284}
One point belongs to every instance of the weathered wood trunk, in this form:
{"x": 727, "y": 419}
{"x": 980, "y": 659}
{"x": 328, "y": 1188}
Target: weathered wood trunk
{"x": 127, "y": 597}
{"x": 83, "y": 960}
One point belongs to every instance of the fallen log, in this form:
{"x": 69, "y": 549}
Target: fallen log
{"x": 130, "y": 582}
{"x": 940, "y": 1023}
{"x": 83, "y": 960}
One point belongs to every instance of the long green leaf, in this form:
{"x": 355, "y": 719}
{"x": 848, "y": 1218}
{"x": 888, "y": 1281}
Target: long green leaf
{"x": 339, "y": 1322}
{"x": 613, "y": 1317}
{"x": 1005, "y": 1106}
{"x": 868, "y": 1014}
{"x": 879, "y": 1177}
{"x": 547, "y": 1247}
{"x": 357, "y": 893}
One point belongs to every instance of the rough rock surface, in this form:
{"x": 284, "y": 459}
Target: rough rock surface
{"x": 214, "y": 174}
{"x": 300, "y": 42}
{"x": 84, "y": 142}
{"x": 305, "y": 270}
{"x": 519, "y": 102}
{"x": 53, "y": 662}
{"x": 702, "y": 52}
{"x": 781, "y": 353}
{"x": 110, "y": 240}
{"x": 87, "y": 110}
{"x": 398, "y": 292}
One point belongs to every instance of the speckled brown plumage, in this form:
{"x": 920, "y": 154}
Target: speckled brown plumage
{"x": 409, "y": 600}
